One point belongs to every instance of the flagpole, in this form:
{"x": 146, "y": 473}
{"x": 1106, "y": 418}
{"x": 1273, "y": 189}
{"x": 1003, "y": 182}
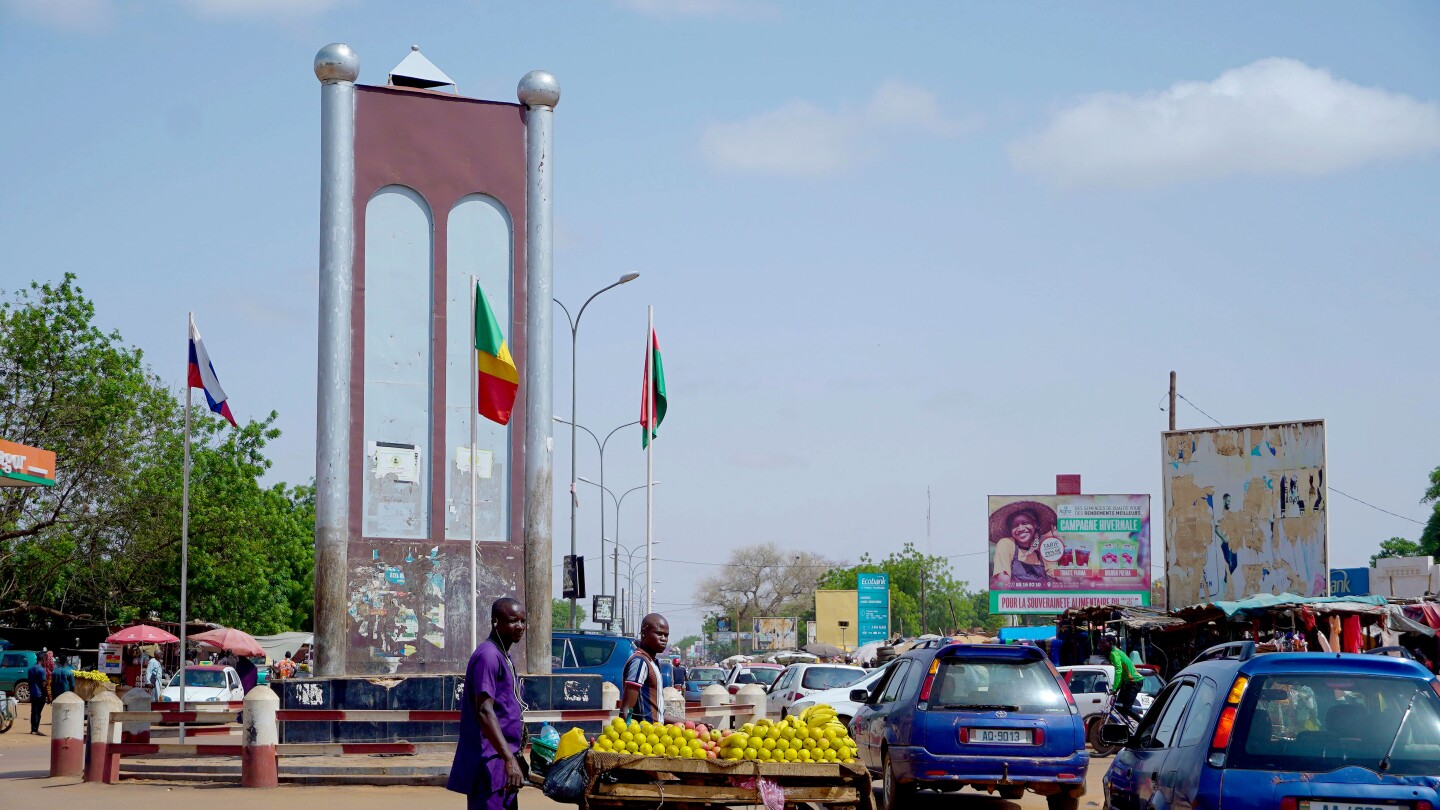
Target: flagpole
{"x": 185, "y": 525}
{"x": 649, "y": 460}
{"x": 474, "y": 409}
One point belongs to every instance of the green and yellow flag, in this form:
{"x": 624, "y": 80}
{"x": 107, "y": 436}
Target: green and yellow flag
{"x": 497, "y": 378}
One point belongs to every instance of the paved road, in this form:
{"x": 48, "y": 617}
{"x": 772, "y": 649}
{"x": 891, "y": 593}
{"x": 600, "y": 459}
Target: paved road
{"x": 25, "y": 782}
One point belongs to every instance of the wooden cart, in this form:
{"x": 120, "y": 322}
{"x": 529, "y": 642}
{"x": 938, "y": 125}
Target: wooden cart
{"x": 623, "y": 781}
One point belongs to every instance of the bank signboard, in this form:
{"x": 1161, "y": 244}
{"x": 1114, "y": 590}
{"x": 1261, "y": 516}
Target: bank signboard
{"x": 1050, "y": 553}
{"x": 873, "y": 607}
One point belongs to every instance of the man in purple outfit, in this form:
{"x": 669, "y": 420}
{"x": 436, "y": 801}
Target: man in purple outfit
{"x": 487, "y": 764}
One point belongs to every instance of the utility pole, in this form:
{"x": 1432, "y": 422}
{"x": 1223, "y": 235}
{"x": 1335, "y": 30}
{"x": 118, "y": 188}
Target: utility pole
{"x": 924, "y": 619}
{"x": 1172, "y": 400}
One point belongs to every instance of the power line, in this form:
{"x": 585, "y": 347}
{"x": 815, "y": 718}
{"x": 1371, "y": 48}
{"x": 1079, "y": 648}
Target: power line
{"x": 1197, "y": 407}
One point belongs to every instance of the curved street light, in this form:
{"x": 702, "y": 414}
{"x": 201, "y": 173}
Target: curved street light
{"x": 600, "y": 446}
{"x": 574, "y": 332}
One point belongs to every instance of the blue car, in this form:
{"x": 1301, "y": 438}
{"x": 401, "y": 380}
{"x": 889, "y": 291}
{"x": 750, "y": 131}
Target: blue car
{"x": 994, "y": 717}
{"x": 594, "y": 653}
{"x": 1294, "y": 731}
{"x": 697, "y": 678}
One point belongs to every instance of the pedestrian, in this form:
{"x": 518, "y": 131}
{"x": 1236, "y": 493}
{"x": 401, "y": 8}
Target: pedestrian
{"x": 487, "y": 758}
{"x": 1127, "y": 680}
{"x": 285, "y": 667}
{"x": 37, "y": 680}
{"x": 642, "y": 698}
{"x": 248, "y": 672}
{"x": 154, "y": 673}
{"x": 63, "y": 680}
{"x": 680, "y": 673}
{"x": 47, "y": 661}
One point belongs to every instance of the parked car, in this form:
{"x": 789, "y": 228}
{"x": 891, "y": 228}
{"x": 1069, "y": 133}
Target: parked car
{"x": 1296, "y": 731}
{"x": 839, "y": 699}
{"x": 205, "y": 683}
{"x": 697, "y": 678}
{"x": 13, "y": 666}
{"x": 1091, "y": 685}
{"x": 591, "y": 652}
{"x": 992, "y": 716}
{"x": 799, "y": 680}
{"x": 741, "y": 674}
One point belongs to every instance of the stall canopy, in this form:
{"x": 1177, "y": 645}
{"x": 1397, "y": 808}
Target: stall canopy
{"x": 1262, "y": 603}
{"x": 1008, "y": 634}
{"x": 277, "y": 645}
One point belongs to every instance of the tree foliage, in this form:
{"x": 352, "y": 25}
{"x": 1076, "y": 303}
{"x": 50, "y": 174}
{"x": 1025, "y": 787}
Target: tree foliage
{"x": 560, "y": 614}
{"x": 105, "y": 541}
{"x": 1430, "y": 535}
{"x": 764, "y": 580}
{"x": 948, "y": 604}
{"x": 1397, "y": 547}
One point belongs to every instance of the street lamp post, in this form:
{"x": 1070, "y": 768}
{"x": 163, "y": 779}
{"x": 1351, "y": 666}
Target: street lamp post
{"x": 631, "y": 567}
{"x": 618, "y": 502}
{"x": 599, "y": 445}
{"x": 574, "y": 332}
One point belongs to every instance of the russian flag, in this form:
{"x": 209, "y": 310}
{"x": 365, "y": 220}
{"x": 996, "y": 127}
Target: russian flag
{"x": 202, "y": 375}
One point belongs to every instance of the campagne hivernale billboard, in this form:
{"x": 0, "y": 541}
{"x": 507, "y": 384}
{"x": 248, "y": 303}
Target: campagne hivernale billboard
{"x": 1245, "y": 512}
{"x": 1050, "y": 553}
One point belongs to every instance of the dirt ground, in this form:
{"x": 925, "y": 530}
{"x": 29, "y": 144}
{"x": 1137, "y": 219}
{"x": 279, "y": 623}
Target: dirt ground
{"x": 25, "y": 768}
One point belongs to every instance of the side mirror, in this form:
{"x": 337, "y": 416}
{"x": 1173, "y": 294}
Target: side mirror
{"x": 859, "y": 696}
{"x": 1114, "y": 734}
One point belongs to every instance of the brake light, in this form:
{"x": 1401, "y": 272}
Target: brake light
{"x": 734, "y": 688}
{"x": 964, "y": 734}
{"x": 1289, "y": 803}
{"x": 929, "y": 680}
{"x": 1226, "y": 725}
{"x": 1039, "y": 737}
{"x": 1423, "y": 804}
{"x": 796, "y": 696}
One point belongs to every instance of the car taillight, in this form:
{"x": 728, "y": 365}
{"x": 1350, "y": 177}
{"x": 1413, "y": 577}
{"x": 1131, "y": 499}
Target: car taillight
{"x": 929, "y": 680}
{"x": 1289, "y": 803}
{"x": 1064, "y": 687}
{"x": 1423, "y": 804}
{"x": 1039, "y": 736}
{"x": 734, "y": 688}
{"x": 796, "y": 696}
{"x": 964, "y": 734}
{"x": 1226, "y": 725}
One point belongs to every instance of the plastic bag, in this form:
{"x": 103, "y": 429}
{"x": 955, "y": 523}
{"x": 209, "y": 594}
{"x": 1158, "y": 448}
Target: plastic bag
{"x": 566, "y": 780}
{"x": 545, "y": 745}
{"x": 571, "y": 744}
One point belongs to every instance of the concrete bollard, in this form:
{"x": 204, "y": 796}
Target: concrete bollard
{"x": 259, "y": 767}
{"x": 136, "y": 731}
{"x": 674, "y": 703}
{"x": 750, "y": 694}
{"x": 716, "y": 699}
{"x": 100, "y": 765}
{"x": 609, "y": 696}
{"x": 67, "y": 736}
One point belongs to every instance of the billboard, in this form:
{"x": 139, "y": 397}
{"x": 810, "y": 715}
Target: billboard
{"x": 776, "y": 634}
{"x": 872, "y": 607}
{"x": 1349, "y": 581}
{"x": 1050, "y": 553}
{"x": 1245, "y": 512}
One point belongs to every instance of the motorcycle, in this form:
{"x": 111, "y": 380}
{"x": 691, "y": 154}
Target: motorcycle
{"x": 8, "y": 708}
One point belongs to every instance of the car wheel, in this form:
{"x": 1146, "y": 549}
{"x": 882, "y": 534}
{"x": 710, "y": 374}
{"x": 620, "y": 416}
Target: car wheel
{"x": 22, "y": 691}
{"x": 1063, "y": 801}
{"x": 1012, "y": 792}
{"x": 1102, "y": 748}
{"x": 894, "y": 795}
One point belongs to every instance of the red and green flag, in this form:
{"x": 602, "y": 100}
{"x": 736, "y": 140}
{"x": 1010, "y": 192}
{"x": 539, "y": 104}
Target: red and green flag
{"x": 654, "y": 391}
{"x": 497, "y": 378}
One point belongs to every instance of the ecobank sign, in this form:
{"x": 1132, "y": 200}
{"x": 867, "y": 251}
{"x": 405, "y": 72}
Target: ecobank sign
{"x": 872, "y": 598}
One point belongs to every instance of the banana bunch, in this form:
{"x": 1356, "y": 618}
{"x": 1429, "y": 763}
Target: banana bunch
{"x": 821, "y": 715}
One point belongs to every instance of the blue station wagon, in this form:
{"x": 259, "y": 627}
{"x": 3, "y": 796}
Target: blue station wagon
{"x": 994, "y": 717}
{"x": 1293, "y": 731}
{"x": 592, "y": 653}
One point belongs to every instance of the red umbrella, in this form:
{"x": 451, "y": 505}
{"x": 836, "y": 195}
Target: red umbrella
{"x": 228, "y": 638}
{"x": 141, "y": 634}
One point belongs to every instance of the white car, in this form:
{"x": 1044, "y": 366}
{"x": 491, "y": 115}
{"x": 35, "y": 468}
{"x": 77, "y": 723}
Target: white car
{"x": 839, "y": 699}
{"x": 799, "y": 680}
{"x": 205, "y": 684}
{"x": 1090, "y": 685}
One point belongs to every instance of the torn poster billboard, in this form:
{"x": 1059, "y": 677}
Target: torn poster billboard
{"x": 1050, "y": 553}
{"x": 1245, "y": 512}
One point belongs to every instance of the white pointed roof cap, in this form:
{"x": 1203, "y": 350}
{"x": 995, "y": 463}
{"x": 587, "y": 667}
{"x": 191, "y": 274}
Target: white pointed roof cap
{"x": 417, "y": 71}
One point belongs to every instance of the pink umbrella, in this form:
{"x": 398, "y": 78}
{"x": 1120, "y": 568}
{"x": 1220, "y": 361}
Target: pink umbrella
{"x": 141, "y": 634}
{"x": 228, "y": 638}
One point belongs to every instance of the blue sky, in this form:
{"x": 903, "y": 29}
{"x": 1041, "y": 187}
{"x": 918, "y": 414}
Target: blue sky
{"x": 960, "y": 245}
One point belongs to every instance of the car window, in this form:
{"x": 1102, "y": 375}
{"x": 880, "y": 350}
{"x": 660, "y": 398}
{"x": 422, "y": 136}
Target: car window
{"x": 1164, "y": 730}
{"x": 1197, "y": 720}
{"x": 1026, "y": 686}
{"x": 704, "y": 675}
{"x": 829, "y": 677}
{"x": 12, "y": 661}
{"x": 592, "y": 652}
{"x": 785, "y": 678}
{"x": 1084, "y": 682}
{"x": 744, "y": 676}
{"x": 1145, "y": 732}
{"x": 204, "y": 678}
{"x": 1152, "y": 685}
{"x": 766, "y": 676}
{"x": 896, "y": 681}
{"x": 1320, "y": 722}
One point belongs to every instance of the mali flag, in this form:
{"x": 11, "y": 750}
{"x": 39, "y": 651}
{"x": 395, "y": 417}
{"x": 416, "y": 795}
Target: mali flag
{"x": 497, "y": 378}
{"x": 654, "y": 382}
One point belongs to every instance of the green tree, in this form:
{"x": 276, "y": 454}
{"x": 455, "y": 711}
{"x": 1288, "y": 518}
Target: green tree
{"x": 764, "y": 580}
{"x": 560, "y": 614}
{"x": 948, "y": 604}
{"x": 1430, "y": 535}
{"x": 1397, "y": 547}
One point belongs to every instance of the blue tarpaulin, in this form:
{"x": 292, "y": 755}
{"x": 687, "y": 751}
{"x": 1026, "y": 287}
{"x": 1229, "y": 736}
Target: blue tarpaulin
{"x": 1008, "y": 634}
{"x": 1263, "y": 602}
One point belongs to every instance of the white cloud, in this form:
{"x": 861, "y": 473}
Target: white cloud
{"x": 734, "y": 9}
{"x": 1271, "y": 117}
{"x": 67, "y": 15}
{"x": 802, "y": 139}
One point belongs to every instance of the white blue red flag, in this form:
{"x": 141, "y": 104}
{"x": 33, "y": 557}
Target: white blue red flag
{"x": 202, "y": 375}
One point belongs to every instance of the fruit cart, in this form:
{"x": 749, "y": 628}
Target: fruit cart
{"x": 629, "y": 780}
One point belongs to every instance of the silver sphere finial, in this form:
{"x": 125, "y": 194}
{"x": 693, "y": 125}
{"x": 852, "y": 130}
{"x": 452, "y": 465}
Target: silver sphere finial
{"x": 538, "y": 89}
{"x": 337, "y": 63}
{"x": 414, "y": 47}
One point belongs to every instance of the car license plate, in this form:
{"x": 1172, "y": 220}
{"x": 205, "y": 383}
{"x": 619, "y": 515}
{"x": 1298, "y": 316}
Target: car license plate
{"x": 1009, "y": 736}
{"x": 1327, "y": 804}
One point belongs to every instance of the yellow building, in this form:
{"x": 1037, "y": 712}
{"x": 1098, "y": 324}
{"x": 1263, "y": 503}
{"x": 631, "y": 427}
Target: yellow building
{"x": 832, "y": 608}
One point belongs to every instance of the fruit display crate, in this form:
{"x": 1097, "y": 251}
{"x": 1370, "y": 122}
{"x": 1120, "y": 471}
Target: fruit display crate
{"x": 626, "y": 780}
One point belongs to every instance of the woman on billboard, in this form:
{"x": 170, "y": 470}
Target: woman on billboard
{"x": 1017, "y": 530}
